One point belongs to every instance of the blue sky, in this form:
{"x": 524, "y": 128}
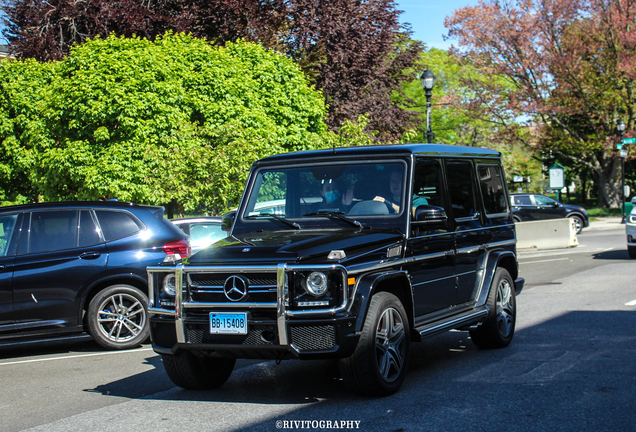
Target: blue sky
{"x": 427, "y": 18}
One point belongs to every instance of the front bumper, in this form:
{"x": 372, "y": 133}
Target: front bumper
{"x": 307, "y": 339}
{"x": 630, "y": 233}
{"x": 274, "y": 330}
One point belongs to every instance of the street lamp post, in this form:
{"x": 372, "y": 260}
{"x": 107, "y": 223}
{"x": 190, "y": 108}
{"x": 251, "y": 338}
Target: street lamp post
{"x": 620, "y": 126}
{"x": 428, "y": 81}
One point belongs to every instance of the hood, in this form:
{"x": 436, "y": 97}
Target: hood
{"x": 293, "y": 246}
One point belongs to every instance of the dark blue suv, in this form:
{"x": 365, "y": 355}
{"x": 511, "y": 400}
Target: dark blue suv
{"x": 74, "y": 267}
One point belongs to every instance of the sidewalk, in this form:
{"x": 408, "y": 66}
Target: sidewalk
{"x": 605, "y": 223}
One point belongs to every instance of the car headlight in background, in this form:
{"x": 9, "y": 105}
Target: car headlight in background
{"x": 317, "y": 284}
{"x": 632, "y": 218}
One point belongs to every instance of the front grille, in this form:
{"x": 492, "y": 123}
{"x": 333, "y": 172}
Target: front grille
{"x": 313, "y": 338}
{"x": 215, "y": 296}
{"x": 163, "y": 334}
{"x": 208, "y": 287}
{"x": 198, "y": 333}
{"x": 218, "y": 279}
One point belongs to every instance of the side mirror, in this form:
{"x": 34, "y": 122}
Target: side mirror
{"x": 430, "y": 215}
{"x": 634, "y": 200}
{"x": 228, "y": 221}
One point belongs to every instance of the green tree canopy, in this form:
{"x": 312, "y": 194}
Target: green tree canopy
{"x": 174, "y": 119}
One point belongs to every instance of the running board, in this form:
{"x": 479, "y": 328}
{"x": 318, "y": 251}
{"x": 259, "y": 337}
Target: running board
{"x": 463, "y": 320}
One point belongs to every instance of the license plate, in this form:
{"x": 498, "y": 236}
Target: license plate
{"x": 228, "y": 323}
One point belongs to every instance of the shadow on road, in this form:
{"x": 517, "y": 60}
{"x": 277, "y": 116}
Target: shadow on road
{"x": 612, "y": 255}
{"x": 573, "y": 372}
{"x": 47, "y": 347}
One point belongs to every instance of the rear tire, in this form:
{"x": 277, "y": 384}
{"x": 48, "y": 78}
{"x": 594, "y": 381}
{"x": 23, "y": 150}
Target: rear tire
{"x": 378, "y": 365}
{"x": 193, "y": 372}
{"x": 578, "y": 223}
{"x": 498, "y": 328}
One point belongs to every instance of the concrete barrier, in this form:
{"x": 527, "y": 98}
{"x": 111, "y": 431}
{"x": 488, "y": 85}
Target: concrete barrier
{"x": 546, "y": 234}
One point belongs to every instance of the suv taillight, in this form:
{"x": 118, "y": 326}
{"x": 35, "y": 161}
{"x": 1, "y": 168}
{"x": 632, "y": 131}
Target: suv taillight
{"x": 181, "y": 247}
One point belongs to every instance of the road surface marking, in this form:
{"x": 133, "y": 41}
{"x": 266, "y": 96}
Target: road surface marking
{"x": 74, "y": 356}
{"x": 631, "y": 303}
{"x": 550, "y": 260}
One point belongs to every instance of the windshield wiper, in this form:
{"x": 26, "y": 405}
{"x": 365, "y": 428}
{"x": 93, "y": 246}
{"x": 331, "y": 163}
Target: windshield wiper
{"x": 336, "y": 215}
{"x": 274, "y": 216}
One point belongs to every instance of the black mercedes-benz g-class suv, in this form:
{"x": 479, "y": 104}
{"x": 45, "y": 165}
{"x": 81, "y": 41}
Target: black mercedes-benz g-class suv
{"x": 351, "y": 253}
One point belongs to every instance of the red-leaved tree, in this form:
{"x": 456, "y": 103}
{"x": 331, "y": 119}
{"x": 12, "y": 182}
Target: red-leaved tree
{"x": 570, "y": 67}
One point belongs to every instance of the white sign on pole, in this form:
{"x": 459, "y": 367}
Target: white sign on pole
{"x": 556, "y": 177}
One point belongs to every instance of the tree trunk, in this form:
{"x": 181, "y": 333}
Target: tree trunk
{"x": 607, "y": 176}
{"x": 583, "y": 178}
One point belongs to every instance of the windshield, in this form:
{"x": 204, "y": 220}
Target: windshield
{"x": 351, "y": 189}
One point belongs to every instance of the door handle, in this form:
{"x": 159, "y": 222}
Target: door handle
{"x": 90, "y": 255}
{"x": 1, "y": 267}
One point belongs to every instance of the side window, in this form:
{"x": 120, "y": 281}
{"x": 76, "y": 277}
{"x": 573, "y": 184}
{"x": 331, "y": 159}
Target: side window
{"x": 7, "y": 226}
{"x": 88, "y": 232}
{"x": 53, "y": 230}
{"x": 492, "y": 189}
{"x": 427, "y": 185}
{"x": 460, "y": 184}
{"x": 544, "y": 200}
{"x": 116, "y": 224}
{"x": 521, "y": 200}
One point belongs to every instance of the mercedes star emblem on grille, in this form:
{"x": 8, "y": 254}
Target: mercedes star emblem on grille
{"x": 235, "y": 288}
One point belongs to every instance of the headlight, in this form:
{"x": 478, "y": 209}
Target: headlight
{"x": 169, "y": 284}
{"x": 317, "y": 284}
{"x": 632, "y": 218}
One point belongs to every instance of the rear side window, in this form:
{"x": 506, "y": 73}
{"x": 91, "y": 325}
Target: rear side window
{"x": 116, "y": 224}
{"x": 522, "y": 200}
{"x": 492, "y": 189}
{"x": 88, "y": 232}
{"x": 7, "y": 226}
{"x": 53, "y": 230}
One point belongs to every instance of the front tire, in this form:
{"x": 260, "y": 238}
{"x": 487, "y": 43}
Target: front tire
{"x": 193, "y": 372}
{"x": 378, "y": 365}
{"x": 117, "y": 317}
{"x": 498, "y": 328}
{"x": 631, "y": 251}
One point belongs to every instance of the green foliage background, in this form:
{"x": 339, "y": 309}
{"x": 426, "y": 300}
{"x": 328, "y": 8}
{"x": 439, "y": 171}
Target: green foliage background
{"x": 151, "y": 122}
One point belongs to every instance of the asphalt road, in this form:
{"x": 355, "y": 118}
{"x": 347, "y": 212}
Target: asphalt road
{"x": 571, "y": 367}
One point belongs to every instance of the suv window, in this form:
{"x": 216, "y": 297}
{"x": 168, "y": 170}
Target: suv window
{"x": 352, "y": 188}
{"x": 460, "y": 183}
{"x": 7, "y": 226}
{"x": 53, "y": 230}
{"x": 492, "y": 189}
{"x": 88, "y": 232}
{"x": 427, "y": 184}
{"x": 116, "y": 224}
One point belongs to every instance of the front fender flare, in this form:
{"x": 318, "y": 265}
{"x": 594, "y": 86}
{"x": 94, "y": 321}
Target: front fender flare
{"x": 367, "y": 286}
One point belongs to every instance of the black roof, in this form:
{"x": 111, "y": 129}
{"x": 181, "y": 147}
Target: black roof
{"x": 384, "y": 151}
{"x": 76, "y": 204}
